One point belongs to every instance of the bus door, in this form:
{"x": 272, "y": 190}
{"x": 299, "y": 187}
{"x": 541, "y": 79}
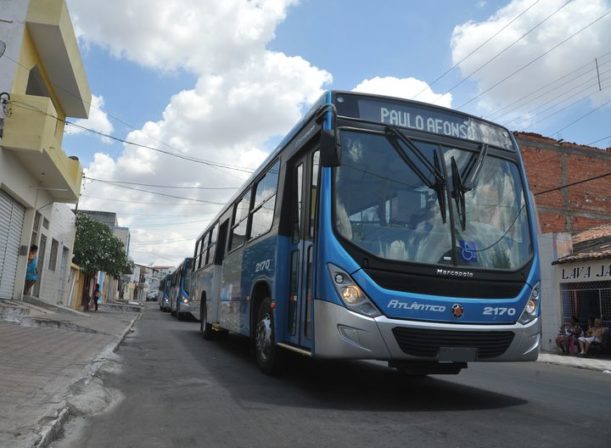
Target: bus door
{"x": 304, "y": 175}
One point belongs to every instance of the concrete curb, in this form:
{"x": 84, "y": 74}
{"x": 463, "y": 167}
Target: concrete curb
{"x": 600, "y": 365}
{"x": 49, "y": 432}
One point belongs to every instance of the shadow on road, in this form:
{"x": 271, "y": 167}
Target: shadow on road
{"x": 342, "y": 385}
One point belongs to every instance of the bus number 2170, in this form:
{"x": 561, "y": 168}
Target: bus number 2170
{"x": 498, "y": 311}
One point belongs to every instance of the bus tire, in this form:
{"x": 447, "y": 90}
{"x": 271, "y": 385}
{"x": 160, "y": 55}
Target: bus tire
{"x": 204, "y": 326}
{"x": 266, "y": 351}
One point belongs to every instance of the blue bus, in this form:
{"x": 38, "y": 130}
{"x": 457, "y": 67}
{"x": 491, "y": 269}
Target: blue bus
{"x": 180, "y": 284}
{"x": 381, "y": 229}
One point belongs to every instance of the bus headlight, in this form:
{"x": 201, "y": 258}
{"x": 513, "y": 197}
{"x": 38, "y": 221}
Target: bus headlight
{"x": 532, "y": 306}
{"x": 185, "y": 300}
{"x": 351, "y": 294}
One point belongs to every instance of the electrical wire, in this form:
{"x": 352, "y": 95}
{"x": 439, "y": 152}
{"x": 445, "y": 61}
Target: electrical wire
{"x": 573, "y": 183}
{"x": 141, "y": 202}
{"x": 599, "y": 140}
{"x": 138, "y": 145}
{"x": 535, "y": 59}
{"x": 475, "y": 50}
{"x": 547, "y": 88}
{"x": 184, "y": 198}
{"x": 159, "y": 186}
{"x": 508, "y": 47}
{"x": 557, "y": 111}
{"x": 581, "y": 118}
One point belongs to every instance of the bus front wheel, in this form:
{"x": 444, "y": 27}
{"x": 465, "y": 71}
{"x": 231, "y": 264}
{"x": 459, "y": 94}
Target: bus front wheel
{"x": 268, "y": 356}
{"x": 204, "y": 327}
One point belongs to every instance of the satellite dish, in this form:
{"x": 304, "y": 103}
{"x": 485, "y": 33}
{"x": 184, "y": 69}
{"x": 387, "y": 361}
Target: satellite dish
{"x": 2, "y": 47}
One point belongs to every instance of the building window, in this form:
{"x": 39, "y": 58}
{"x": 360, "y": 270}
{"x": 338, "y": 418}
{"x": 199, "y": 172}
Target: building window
{"x": 45, "y": 223}
{"x": 53, "y": 256}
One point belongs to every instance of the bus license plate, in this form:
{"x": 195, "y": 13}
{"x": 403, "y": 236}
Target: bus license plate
{"x": 457, "y": 354}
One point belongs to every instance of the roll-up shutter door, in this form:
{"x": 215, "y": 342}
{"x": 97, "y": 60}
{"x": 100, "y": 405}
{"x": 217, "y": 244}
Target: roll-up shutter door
{"x": 11, "y": 226}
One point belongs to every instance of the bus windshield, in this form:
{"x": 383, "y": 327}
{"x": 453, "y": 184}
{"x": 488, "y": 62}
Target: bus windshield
{"x": 384, "y": 204}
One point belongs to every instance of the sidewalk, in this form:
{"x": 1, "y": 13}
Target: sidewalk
{"x": 604, "y": 365}
{"x": 43, "y": 352}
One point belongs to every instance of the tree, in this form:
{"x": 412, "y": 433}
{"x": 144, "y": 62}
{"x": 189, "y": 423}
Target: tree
{"x": 97, "y": 249}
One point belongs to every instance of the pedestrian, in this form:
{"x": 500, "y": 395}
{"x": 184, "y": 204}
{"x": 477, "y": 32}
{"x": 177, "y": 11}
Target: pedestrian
{"x": 31, "y": 275}
{"x": 97, "y": 296}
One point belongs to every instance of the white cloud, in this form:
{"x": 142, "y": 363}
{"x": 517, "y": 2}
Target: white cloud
{"x": 409, "y": 88}
{"x": 202, "y": 35}
{"x": 576, "y": 55}
{"x": 244, "y": 95}
{"x": 97, "y": 121}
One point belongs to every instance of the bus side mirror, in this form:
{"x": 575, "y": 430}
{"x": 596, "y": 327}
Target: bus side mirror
{"x": 330, "y": 150}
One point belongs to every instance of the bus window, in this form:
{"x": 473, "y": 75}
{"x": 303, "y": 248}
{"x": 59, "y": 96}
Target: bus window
{"x": 240, "y": 221}
{"x": 314, "y": 192}
{"x": 196, "y": 254}
{"x": 298, "y": 195}
{"x": 210, "y": 256}
{"x": 204, "y": 250}
{"x": 265, "y": 200}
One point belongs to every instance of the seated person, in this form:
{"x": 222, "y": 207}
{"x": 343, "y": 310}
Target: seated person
{"x": 594, "y": 334}
{"x": 567, "y": 337}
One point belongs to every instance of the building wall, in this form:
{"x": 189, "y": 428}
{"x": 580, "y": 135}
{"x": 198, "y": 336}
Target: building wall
{"x": 12, "y": 14}
{"x": 21, "y": 186}
{"x": 109, "y": 219}
{"x": 551, "y": 163}
{"x": 551, "y": 247}
{"x": 123, "y": 234}
{"x": 54, "y": 283}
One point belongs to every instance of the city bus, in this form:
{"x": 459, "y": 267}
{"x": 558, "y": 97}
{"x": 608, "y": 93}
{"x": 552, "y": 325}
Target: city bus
{"x": 180, "y": 303}
{"x": 380, "y": 229}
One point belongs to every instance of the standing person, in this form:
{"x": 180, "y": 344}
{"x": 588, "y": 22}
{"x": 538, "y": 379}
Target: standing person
{"x": 31, "y": 275}
{"x": 97, "y": 296}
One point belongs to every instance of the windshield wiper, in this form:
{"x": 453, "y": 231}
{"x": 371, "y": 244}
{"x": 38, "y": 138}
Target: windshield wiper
{"x": 394, "y": 136}
{"x": 460, "y": 187}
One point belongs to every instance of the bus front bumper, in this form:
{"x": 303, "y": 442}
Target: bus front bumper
{"x": 185, "y": 308}
{"x": 343, "y": 334}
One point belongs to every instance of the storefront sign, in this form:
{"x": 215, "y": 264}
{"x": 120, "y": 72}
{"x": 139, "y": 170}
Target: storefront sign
{"x": 585, "y": 272}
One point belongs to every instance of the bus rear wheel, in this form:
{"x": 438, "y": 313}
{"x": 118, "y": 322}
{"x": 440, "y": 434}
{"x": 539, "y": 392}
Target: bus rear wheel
{"x": 204, "y": 327}
{"x": 268, "y": 356}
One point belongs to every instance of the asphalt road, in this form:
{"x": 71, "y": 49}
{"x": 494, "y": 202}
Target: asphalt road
{"x": 183, "y": 391}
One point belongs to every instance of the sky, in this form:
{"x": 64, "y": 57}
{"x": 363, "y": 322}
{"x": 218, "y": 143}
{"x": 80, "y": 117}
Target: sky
{"x": 219, "y": 82}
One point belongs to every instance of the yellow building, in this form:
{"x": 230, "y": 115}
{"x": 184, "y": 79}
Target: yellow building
{"x": 42, "y": 82}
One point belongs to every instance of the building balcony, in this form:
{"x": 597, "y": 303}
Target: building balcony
{"x": 50, "y": 27}
{"x": 32, "y": 132}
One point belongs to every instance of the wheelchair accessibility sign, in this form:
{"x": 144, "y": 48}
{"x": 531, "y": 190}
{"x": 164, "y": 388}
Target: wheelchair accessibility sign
{"x": 468, "y": 251}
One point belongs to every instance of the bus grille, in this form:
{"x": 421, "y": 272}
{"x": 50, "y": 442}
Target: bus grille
{"x": 426, "y": 343}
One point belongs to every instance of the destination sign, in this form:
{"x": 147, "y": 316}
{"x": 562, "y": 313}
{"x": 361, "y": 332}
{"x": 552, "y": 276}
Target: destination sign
{"x": 435, "y": 121}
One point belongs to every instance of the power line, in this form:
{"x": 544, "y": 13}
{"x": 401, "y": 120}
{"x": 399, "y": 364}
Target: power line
{"x": 545, "y": 89}
{"x": 557, "y": 111}
{"x": 159, "y": 186}
{"x": 599, "y": 140}
{"x": 175, "y": 223}
{"x": 88, "y": 103}
{"x": 509, "y": 46}
{"x": 141, "y": 202}
{"x": 581, "y": 117}
{"x": 184, "y": 198}
{"x": 159, "y": 242}
{"x": 573, "y": 183}
{"x": 476, "y": 49}
{"x": 139, "y": 145}
{"x": 535, "y": 60}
